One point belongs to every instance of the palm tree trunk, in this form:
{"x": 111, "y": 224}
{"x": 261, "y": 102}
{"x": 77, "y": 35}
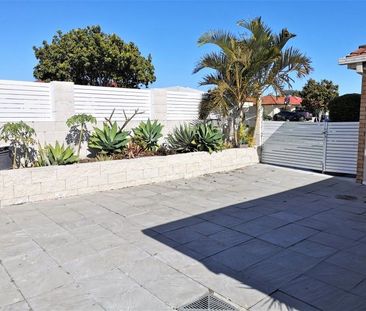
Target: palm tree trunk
{"x": 258, "y": 121}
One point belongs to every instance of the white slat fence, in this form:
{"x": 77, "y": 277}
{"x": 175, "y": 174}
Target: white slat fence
{"x": 328, "y": 147}
{"x": 27, "y": 101}
{"x": 100, "y": 101}
{"x": 183, "y": 105}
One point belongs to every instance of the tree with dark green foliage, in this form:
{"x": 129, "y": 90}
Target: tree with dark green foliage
{"x": 89, "y": 56}
{"x": 345, "y": 108}
{"x": 317, "y": 95}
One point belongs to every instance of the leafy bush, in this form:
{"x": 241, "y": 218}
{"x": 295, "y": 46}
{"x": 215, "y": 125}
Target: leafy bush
{"x": 56, "y": 155}
{"x": 246, "y": 135}
{"x": 77, "y": 123}
{"x": 147, "y": 135}
{"x": 200, "y": 137}
{"x": 21, "y": 137}
{"x": 345, "y": 108}
{"x": 208, "y": 137}
{"x": 109, "y": 140}
{"x": 183, "y": 139}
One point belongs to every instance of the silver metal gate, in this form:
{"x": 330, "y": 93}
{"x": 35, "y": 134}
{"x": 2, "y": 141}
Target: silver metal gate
{"x": 326, "y": 147}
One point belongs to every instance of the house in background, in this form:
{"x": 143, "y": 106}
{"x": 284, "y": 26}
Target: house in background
{"x": 271, "y": 105}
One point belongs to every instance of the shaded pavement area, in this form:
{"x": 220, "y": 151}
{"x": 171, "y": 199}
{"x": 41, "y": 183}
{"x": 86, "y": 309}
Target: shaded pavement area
{"x": 262, "y": 237}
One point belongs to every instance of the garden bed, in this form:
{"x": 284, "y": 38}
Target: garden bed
{"x": 51, "y": 182}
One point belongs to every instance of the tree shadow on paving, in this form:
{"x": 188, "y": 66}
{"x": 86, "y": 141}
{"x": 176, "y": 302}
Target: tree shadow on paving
{"x": 301, "y": 249}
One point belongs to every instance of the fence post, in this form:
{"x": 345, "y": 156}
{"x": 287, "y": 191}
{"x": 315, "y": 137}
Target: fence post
{"x": 325, "y": 141}
{"x": 62, "y": 103}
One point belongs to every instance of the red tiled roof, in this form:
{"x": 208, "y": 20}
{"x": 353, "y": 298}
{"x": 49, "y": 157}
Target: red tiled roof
{"x": 280, "y": 100}
{"x": 360, "y": 51}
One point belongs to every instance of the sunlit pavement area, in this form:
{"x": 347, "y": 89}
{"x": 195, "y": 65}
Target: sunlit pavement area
{"x": 263, "y": 237}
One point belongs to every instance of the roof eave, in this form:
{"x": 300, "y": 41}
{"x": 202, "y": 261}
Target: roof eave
{"x": 357, "y": 63}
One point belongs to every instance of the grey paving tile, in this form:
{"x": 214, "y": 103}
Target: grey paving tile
{"x": 71, "y": 252}
{"x": 358, "y": 249}
{"x": 295, "y": 261}
{"x": 220, "y": 218}
{"x": 260, "y": 225}
{"x": 360, "y": 289}
{"x": 267, "y": 276}
{"x": 244, "y": 255}
{"x": 206, "y": 228}
{"x": 279, "y": 301}
{"x": 321, "y": 295}
{"x": 29, "y": 262}
{"x": 349, "y": 261}
{"x": 287, "y": 216}
{"x": 9, "y": 294}
{"x": 313, "y": 249}
{"x": 206, "y": 246}
{"x": 332, "y": 240}
{"x": 18, "y": 306}
{"x": 41, "y": 281}
{"x": 183, "y": 235}
{"x": 335, "y": 275}
{"x": 230, "y": 237}
{"x": 88, "y": 266}
{"x": 288, "y": 235}
{"x": 136, "y": 298}
{"x": 68, "y": 297}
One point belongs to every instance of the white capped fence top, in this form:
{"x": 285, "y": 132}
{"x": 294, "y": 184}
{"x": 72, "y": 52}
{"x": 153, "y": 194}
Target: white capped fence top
{"x": 183, "y": 105}
{"x": 100, "y": 101}
{"x": 27, "y": 101}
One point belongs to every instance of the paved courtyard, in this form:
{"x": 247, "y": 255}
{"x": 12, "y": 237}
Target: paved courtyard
{"x": 262, "y": 237}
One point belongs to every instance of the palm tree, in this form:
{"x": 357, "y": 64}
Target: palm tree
{"x": 231, "y": 86}
{"x": 247, "y": 65}
{"x": 273, "y": 64}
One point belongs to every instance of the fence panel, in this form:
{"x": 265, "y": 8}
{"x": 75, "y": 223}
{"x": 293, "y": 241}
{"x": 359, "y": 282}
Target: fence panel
{"x": 100, "y": 101}
{"x": 27, "y": 101}
{"x": 183, "y": 105}
{"x": 341, "y": 148}
{"x": 293, "y": 144}
{"x": 329, "y": 147}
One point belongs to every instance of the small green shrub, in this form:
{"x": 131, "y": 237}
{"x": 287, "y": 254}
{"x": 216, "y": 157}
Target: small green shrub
{"x": 21, "y": 137}
{"x": 200, "y": 137}
{"x": 108, "y": 140}
{"x": 56, "y": 155}
{"x": 208, "y": 137}
{"x": 247, "y": 135}
{"x": 77, "y": 123}
{"x": 345, "y": 108}
{"x": 183, "y": 139}
{"x": 147, "y": 135}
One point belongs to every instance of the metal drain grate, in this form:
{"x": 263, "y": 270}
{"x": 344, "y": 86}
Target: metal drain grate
{"x": 208, "y": 302}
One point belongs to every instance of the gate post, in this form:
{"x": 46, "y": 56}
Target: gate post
{"x": 356, "y": 60}
{"x": 325, "y": 140}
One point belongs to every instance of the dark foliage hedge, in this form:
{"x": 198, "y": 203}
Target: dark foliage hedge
{"x": 345, "y": 108}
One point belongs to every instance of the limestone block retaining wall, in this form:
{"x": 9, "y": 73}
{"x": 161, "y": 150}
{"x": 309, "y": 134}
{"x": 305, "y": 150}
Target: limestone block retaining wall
{"x": 44, "y": 183}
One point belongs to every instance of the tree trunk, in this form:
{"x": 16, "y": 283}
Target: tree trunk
{"x": 258, "y": 121}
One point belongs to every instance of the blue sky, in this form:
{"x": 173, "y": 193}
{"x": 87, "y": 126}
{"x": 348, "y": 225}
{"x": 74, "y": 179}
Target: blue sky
{"x": 326, "y": 30}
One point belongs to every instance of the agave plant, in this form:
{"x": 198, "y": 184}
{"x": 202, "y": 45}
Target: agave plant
{"x": 208, "y": 137}
{"x": 183, "y": 139}
{"x": 108, "y": 140}
{"x": 56, "y": 155}
{"x": 147, "y": 134}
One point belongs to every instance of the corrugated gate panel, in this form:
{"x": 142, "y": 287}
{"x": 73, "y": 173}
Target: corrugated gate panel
{"x": 341, "y": 148}
{"x": 293, "y": 144}
{"x": 329, "y": 147}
